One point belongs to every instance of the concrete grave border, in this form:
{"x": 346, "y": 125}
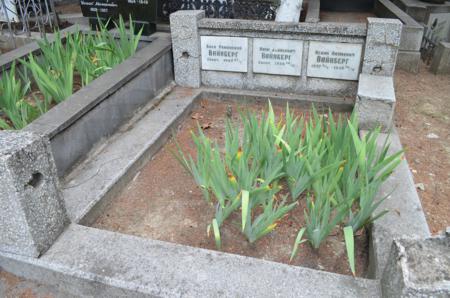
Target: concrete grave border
{"x": 91, "y": 262}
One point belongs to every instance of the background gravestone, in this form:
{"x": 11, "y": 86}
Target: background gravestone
{"x": 142, "y": 12}
{"x": 102, "y": 9}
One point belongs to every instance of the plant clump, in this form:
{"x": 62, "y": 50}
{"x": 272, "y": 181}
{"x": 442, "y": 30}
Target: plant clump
{"x": 322, "y": 160}
{"x": 53, "y": 70}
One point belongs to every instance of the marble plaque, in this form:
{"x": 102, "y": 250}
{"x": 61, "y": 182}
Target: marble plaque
{"x": 334, "y": 60}
{"x": 277, "y": 56}
{"x": 224, "y": 53}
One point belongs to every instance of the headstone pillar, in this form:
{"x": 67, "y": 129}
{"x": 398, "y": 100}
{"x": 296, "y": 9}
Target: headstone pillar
{"x": 186, "y": 47}
{"x": 33, "y": 213}
{"x": 382, "y": 43}
{"x": 375, "y": 101}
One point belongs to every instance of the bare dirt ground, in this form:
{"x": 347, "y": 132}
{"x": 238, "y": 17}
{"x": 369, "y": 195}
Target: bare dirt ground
{"x": 423, "y": 122}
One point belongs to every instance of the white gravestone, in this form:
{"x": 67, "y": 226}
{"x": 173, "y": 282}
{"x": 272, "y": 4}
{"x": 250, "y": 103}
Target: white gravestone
{"x": 224, "y": 53}
{"x": 289, "y": 11}
{"x": 277, "y": 56}
{"x": 10, "y": 14}
{"x": 334, "y": 60}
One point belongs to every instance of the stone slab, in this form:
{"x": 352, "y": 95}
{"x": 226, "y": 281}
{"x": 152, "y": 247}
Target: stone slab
{"x": 282, "y": 84}
{"x": 375, "y": 101}
{"x": 331, "y": 29}
{"x": 304, "y": 101}
{"x": 277, "y": 56}
{"x": 32, "y": 214}
{"x": 97, "y": 263}
{"x": 222, "y": 53}
{"x": 405, "y": 218}
{"x": 418, "y": 268}
{"x": 330, "y": 60}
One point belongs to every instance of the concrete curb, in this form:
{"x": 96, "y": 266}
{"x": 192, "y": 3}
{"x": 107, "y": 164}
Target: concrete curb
{"x": 405, "y": 217}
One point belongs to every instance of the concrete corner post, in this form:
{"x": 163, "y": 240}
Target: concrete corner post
{"x": 186, "y": 47}
{"x": 382, "y": 43}
{"x": 375, "y": 101}
{"x": 32, "y": 213}
{"x": 418, "y": 268}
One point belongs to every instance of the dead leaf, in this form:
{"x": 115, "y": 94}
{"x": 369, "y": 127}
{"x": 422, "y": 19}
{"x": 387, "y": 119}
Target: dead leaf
{"x": 359, "y": 232}
{"x": 196, "y": 116}
{"x": 205, "y": 126}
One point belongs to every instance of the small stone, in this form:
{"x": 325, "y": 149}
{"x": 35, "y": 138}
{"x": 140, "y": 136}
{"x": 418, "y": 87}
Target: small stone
{"x": 420, "y": 186}
{"x": 432, "y": 136}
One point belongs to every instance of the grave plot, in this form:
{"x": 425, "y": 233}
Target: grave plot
{"x": 176, "y": 212}
{"x": 35, "y": 81}
{"x": 97, "y": 204}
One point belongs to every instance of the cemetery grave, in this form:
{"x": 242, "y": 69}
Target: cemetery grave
{"x": 102, "y": 199}
{"x": 58, "y": 69}
{"x": 176, "y": 211}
